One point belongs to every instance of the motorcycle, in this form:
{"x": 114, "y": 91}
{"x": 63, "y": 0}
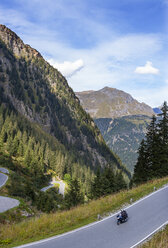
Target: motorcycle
{"x": 121, "y": 219}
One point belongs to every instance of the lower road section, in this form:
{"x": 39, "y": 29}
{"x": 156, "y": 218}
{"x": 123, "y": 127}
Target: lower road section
{"x": 3, "y": 179}
{"x": 3, "y": 170}
{"x": 6, "y": 203}
{"x": 51, "y": 185}
{"x": 145, "y": 217}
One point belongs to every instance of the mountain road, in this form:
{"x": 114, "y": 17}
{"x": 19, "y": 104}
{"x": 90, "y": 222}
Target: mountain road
{"x": 145, "y": 217}
{"x": 51, "y": 185}
{"x": 3, "y": 179}
{"x": 6, "y": 203}
{"x": 3, "y": 170}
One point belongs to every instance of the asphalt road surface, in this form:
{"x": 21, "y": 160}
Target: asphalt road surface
{"x": 61, "y": 187}
{"x": 3, "y": 170}
{"x": 3, "y": 179}
{"x": 145, "y": 217}
{"x": 6, "y": 203}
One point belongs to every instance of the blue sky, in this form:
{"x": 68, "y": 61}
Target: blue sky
{"x": 95, "y": 43}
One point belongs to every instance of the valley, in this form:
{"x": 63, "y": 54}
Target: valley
{"x": 69, "y": 161}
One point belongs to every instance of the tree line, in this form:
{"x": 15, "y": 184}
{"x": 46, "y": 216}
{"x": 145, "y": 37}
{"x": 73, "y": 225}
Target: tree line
{"x": 153, "y": 151}
{"x": 37, "y": 153}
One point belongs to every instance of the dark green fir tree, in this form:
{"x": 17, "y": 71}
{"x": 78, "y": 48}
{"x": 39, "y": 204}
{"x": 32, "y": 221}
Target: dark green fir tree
{"x": 163, "y": 144}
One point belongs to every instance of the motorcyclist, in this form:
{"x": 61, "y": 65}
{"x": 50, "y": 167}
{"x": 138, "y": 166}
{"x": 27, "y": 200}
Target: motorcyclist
{"x": 124, "y": 214}
{"x": 122, "y": 217}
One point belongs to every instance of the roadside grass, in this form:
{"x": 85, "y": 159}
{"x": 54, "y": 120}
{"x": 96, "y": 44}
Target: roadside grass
{"x": 48, "y": 225}
{"x": 159, "y": 240}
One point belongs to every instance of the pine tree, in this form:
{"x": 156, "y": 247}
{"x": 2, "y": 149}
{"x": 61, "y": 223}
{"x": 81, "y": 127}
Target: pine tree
{"x": 120, "y": 183}
{"x": 3, "y": 135}
{"x": 1, "y": 121}
{"x": 20, "y": 149}
{"x": 29, "y": 191}
{"x": 74, "y": 195}
{"x": 97, "y": 186}
{"x": 163, "y": 144}
{"x": 152, "y": 152}
{"x": 141, "y": 169}
{"x": 9, "y": 145}
{"x": 27, "y": 158}
{"x": 108, "y": 181}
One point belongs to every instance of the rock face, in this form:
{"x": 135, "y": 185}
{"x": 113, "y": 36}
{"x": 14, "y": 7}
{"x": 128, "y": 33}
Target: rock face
{"x": 112, "y": 103}
{"x": 16, "y": 45}
{"x": 37, "y": 91}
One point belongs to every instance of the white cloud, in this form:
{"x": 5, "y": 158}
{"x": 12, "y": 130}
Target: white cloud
{"x": 153, "y": 97}
{"x": 147, "y": 69}
{"x": 110, "y": 61}
{"x": 67, "y": 68}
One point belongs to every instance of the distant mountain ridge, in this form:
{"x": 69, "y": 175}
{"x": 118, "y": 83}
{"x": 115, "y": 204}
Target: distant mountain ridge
{"x": 122, "y": 120}
{"x": 112, "y": 103}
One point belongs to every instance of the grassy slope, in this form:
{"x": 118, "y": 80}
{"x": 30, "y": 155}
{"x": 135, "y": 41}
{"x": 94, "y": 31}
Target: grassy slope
{"x": 52, "y": 224}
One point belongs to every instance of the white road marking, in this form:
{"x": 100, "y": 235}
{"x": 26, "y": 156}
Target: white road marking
{"x": 95, "y": 223}
{"x": 141, "y": 241}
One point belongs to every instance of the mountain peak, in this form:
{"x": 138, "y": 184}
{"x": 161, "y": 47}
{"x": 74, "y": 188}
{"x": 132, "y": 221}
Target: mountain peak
{"x": 106, "y": 88}
{"x": 15, "y": 44}
{"x": 112, "y": 103}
